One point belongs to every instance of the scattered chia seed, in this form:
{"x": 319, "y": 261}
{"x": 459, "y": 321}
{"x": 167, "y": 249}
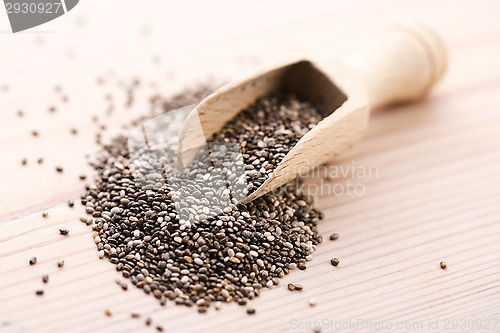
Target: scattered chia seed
{"x": 251, "y": 311}
{"x": 33, "y": 261}
{"x": 20, "y": 113}
{"x": 148, "y": 321}
{"x": 59, "y": 169}
{"x": 24, "y": 161}
{"x": 74, "y": 131}
{"x": 71, "y": 203}
{"x": 82, "y": 177}
{"x": 52, "y": 109}
{"x": 40, "y": 160}
{"x": 334, "y": 236}
{"x": 443, "y": 265}
{"x": 334, "y": 261}
{"x": 60, "y": 263}
{"x": 64, "y": 232}
{"x": 34, "y": 133}
{"x": 45, "y": 278}
{"x": 135, "y": 315}
{"x": 39, "y": 292}
{"x": 108, "y": 312}
{"x": 45, "y": 214}
{"x": 312, "y": 303}
{"x": 159, "y": 328}
{"x": 213, "y": 253}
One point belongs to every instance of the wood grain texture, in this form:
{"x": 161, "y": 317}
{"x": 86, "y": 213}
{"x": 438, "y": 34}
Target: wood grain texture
{"x": 433, "y": 192}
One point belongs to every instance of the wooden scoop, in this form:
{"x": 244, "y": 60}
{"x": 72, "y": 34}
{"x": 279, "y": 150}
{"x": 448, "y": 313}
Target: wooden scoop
{"x": 400, "y": 67}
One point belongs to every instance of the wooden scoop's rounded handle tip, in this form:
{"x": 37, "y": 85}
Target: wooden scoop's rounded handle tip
{"x": 403, "y": 64}
{"x": 432, "y": 43}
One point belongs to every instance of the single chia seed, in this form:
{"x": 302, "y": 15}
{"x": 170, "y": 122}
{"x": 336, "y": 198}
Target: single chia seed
{"x": 334, "y": 236}
{"x": 298, "y": 287}
{"x": 64, "y": 232}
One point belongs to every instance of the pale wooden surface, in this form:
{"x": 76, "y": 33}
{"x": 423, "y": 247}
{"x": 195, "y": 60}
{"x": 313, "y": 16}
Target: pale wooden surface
{"x": 435, "y": 197}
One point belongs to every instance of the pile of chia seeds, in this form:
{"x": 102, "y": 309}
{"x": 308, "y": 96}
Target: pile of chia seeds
{"x": 182, "y": 234}
{"x": 266, "y": 131}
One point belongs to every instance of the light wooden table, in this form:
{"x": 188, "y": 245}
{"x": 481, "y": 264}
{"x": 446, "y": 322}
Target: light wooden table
{"x": 433, "y": 194}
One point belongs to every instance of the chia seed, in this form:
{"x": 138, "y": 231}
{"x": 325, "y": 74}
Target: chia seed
{"x": 196, "y": 251}
{"x": 334, "y": 236}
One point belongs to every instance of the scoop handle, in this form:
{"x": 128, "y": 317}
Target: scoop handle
{"x": 402, "y": 64}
